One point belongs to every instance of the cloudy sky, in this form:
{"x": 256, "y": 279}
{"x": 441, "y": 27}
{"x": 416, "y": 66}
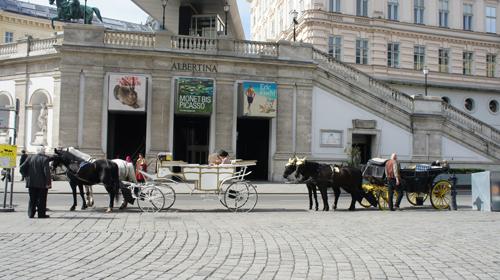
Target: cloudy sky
{"x": 126, "y": 10}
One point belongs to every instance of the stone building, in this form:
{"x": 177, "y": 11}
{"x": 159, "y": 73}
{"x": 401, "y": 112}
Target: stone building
{"x": 113, "y": 93}
{"x": 394, "y": 40}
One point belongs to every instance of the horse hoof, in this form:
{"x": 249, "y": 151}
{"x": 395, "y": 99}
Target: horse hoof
{"x": 72, "y": 208}
{"x": 84, "y": 207}
{"x": 109, "y": 210}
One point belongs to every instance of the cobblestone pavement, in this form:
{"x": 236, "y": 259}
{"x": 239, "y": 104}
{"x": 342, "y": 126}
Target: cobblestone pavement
{"x": 279, "y": 241}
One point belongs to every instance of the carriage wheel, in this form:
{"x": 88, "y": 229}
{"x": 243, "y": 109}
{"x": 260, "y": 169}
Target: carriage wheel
{"x": 367, "y": 188}
{"x": 383, "y": 198}
{"x": 169, "y": 194}
{"x": 240, "y": 197}
{"x": 151, "y": 199}
{"x": 441, "y": 195}
{"x": 412, "y": 197}
{"x": 365, "y": 203}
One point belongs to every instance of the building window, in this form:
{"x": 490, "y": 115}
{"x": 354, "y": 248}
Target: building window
{"x": 393, "y": 55}
{"x": 446, "y": 100}
{"x": 418, "y": 11}
{"x": 335, "y": 6}
{"x": 491, "y": 60}
{"x": 9, "y": 37}
{"x": 361, "y": 51}
{"x": 493, "y": 106}
{"x": 469, "y": 104}
{"x": 444, "y": 60}
{"x": 392, "y": 9}
{"x": 362, "y": 8}
{"x": 335, "y": 46}
{"x": 467, "y": 63}
{"x": 491, "y": 19}
{"x": 443, "y": 13}
{"x": 418, "y": 57}
{"x": 468, "y": 17}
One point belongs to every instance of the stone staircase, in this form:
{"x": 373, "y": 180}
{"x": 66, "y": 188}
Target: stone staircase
{"x": 400, "y": 108}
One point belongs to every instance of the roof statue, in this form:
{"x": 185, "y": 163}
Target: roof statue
{"x": 72, "y": 9}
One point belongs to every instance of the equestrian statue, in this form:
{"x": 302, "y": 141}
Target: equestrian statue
{"x": 68, "y": 10}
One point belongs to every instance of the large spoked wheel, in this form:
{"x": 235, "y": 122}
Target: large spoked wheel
{"x": 383, "y": 198}
{"x": 369, "y": 190}
{"x": 441, "y": 195}
{"x": 169, "y": 194}
{"x": 413, "y": 196}
{"x": 365, "y": 203}
{"x": 151, "y": 199}
{"x": 240, "y": 197}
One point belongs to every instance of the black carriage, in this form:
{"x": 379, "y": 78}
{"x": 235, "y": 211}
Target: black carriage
{"x": 419, "y": 183}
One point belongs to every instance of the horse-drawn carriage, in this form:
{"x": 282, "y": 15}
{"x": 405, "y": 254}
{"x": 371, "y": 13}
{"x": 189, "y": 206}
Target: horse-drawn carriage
{"x": 419, "y": 183}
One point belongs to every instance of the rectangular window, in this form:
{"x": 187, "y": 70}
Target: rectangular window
{"x": 362, "y": 8}
{"x": 392, "y": 10}
{"x": 9, "y": 37}
{"x": 393, "y": 55}
{"x": 418, "y": 11}
{"x": 443, "y": 13}
{"x": 491, "y": 19}
{"x": 467, "y": 63}
{"x": 362, "y": 51}
{"x": 491, "y": 61}
{"x": 444, "y": 60}
{"x": 418, "y": 57}
{"x": 467, "y": 17}
{"x": 335, "y": 6}
{"x": 335, "y": 46}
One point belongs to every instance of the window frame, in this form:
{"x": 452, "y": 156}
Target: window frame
{"x": 473, "y": 109}
{"x": 362, "y": 8}
{"x": 334, "y": 6}
{"x": 467, "y": 62}
{"x": 8, "y": 37}
{"x": 446, "y": 58}
{"x": 418, "y": 57}
{"x": 490, "y": 20}
{"x": 418, "y": 11}
{"x": 443, "y": 13}
{"x": 393, "y": 10}
{"x": 334, "y": 49}
{"x": 467, "y": 18}
{"x": 497, "y": 104}
{"x": 363, "y": 48}
{"x": 491, "y": 60}
{"x": 393, "y": 54}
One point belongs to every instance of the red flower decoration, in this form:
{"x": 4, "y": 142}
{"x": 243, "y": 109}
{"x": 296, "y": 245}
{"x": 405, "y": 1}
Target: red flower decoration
{"x": 129, "y": 81}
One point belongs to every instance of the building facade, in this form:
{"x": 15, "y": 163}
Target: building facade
{"x": 457, "y": 41}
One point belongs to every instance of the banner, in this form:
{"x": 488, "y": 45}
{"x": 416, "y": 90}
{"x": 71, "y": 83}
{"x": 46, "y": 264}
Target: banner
{"x": 8, "y": 155}
{"x": 259, "y": 99}
{"x": 127, "y": 92}
{"x": 194, "y": 95}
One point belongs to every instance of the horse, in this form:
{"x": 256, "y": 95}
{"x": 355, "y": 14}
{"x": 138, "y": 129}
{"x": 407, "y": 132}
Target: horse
{"x": 81, "y": 172}
{"x": 348, "y": 178}
{"x": 67, "y": 11}
{"x": 290, "y": 168}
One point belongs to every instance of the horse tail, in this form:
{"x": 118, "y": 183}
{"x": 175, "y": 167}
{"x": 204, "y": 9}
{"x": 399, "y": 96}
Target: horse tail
{"x": 97, "y": 13}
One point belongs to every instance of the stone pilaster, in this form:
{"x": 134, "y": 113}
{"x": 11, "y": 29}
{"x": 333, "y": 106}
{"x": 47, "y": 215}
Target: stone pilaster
{"x": 21, "y": 92}
{"x": 304, "y": 119}
{"x": 56, "y": 110}
{"x": 68, "y": 115}
{"x": 92, "y": 109}
{"x": 160, "y": 112}
{"x": 224, "y": 115}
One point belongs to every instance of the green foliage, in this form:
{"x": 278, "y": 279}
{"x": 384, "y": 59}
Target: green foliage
{"x": 353, "y": 156}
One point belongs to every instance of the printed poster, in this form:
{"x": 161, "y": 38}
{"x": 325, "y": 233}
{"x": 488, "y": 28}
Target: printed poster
{"x": 127, "y": 92}
{"x": 260, "y": 99}
{"x": 194, "y": 95}
{"x": 8, "y": 155}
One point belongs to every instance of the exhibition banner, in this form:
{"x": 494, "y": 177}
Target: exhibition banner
{"x": 8, "y": 155}
{"x": 194, "y": 95}
{"x": 127, "y": 92}
{"x": 259, "y": 99}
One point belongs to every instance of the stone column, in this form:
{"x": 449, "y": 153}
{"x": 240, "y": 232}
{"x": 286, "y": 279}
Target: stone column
{"x": 56, "y": 109}
{"x": 427, "y": 122}
{"x": 284, "y": 121}
{"x": 21, "y": 93}
{"x": 92, "y": 110}
{"x": 68, "y": 112}
{"x": 224, "y": 115}
{"x": 160, "y": 113}
{"x": 304, "y": 119}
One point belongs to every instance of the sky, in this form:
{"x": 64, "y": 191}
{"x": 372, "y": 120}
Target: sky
{"x": 128, "y": 11}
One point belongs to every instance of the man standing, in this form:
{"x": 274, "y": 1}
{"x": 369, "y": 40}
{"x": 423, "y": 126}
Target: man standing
{"x": 38, "y": 181}
{"x": 23, "y": 158}
{"x": 394, "y": 180}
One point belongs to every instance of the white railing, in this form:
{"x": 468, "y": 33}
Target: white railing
{"x": 389, "y": 93}
{"x": 44, "y": 44}
{"x": 345, "y": 71}
{"x": 256, "y": 48}
{"x": 8, "y": 49}
{"x": 194, "y": 43}
{"x": 129, "y": 39}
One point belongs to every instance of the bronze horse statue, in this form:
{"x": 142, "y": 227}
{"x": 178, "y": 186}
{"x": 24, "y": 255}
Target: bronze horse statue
{"x": 68, "y": 10}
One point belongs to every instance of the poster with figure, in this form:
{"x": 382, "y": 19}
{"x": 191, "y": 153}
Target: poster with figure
{"x": 259, "y": 99}
{"x": 495, "y": 190}
{"x": 194, "y": 95}
{"x": 481, "y": 196}
{"x": 127, "y": 92}
{"x": 8, "y": 155}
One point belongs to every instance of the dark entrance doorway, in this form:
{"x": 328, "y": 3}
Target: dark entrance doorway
{"x": 253, "y": 143}
{"x": 191, "y": 138}
{"x": 364, "y": 143}
{"x": 126, "y": 134}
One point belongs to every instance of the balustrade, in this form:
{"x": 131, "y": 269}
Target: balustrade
{"x": 194, "y": 43}
{"x": 129, "y": 39}
{"x": 255, "y": 48}
{"x": 8, "y": 49}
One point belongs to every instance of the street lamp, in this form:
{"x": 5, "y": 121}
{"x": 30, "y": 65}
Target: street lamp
{"x": 226, "y": 10}
{"x": 164, "y": 5}
{"x": 426, "y": 72}
{"x": 295, "y": 14}
{"x": 85, "y": 13}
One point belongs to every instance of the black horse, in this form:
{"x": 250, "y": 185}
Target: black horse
{"x": 324, "y": 175}
{"x": 80, "y": 172}
{"x": 290, "y": 168}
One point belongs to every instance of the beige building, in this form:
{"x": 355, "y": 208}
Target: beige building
{"x": 394, "y": 40}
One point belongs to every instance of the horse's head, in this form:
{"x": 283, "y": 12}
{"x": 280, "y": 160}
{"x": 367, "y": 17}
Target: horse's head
{"x": 290, "y": 167}
{"x": 300, "y": 171}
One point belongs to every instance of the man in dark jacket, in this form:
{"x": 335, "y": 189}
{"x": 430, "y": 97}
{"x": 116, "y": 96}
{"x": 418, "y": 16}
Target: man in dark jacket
{"x": 23, "y": 158}
{"x": 38, "y": 181}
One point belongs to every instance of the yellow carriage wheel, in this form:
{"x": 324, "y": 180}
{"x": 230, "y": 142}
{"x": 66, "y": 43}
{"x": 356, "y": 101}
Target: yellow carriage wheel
{"x": 383, "y": 198}
{"x": 441, "y": 195}
{"x": 412, "y": 197}
{"x": 367, "y": 188}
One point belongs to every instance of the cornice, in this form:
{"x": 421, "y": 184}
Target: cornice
{"x": 28, "y": 21}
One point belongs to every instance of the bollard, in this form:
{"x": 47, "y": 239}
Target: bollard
{"x": 453, "y": 181}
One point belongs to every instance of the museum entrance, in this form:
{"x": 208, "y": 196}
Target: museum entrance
{"x": 126, "y": 134}
{"x": 191, "y": 138}
{"x": 364, "y": 143}
{"x": 253, "y": 143}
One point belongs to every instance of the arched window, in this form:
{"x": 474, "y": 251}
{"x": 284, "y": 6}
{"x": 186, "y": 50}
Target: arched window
{"x": 493, "y": 106}
{"x": 469, "y": 104}
{"x": 40, "y": 103}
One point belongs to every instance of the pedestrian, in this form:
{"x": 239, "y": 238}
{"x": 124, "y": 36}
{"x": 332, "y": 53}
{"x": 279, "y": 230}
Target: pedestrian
{"x": 24, "y": 156}
{"x": 128, "y": 159}
{"x": 213, "y": 159}
{"x": 36, "y": 170}
{"x": 224, "y": 157}
{"x": 392, "y": 172}
{"x": 140, "y": 165}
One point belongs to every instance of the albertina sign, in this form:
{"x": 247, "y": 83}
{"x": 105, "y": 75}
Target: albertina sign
{"x": 194, "y": 95}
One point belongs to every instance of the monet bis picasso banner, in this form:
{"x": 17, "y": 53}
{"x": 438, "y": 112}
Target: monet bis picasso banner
{"x": 259, "y": 99}
{"x": 194, "y": 95}
{"x": 127, "y": 92}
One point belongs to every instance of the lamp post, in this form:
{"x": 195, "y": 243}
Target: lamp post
{"x": 426, "y": 72}
{"x": 226, "y": 10}
{"x": 295, "y": 14}
{"x": 164, "y": 5}
{"x": 85, "y": 13}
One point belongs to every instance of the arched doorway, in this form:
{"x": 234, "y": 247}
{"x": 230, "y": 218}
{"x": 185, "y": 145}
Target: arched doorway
{"x": 39, "y": 118}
